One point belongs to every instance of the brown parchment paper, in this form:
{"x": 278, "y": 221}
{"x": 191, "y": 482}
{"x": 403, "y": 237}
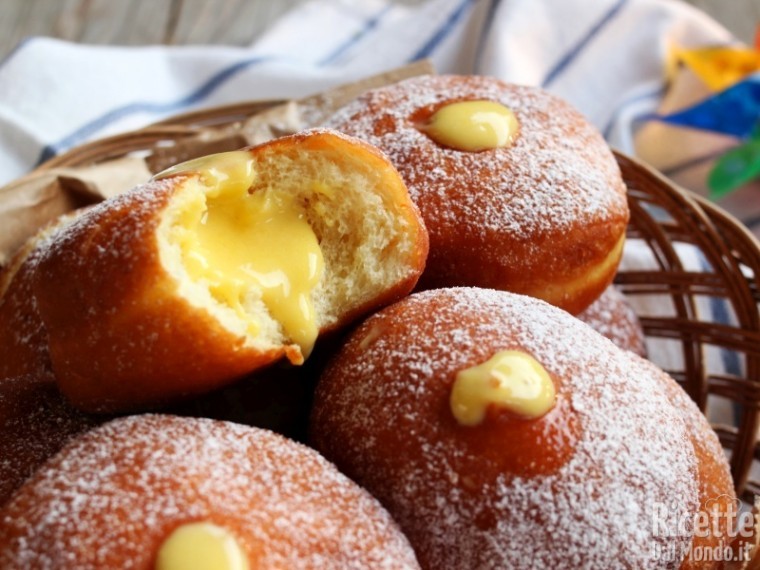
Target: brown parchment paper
{"x": 102, "y": 169}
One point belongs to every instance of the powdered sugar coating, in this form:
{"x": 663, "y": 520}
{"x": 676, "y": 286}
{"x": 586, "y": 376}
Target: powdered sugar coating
{"x": 35, "y": 423}
{"x": 558, "y": 172}
{"x": 526, "y": 206}
{"x": 613, "y": 317}
{"x": 22, "y": 334}
{"x": 23, "y": 338}
{"x": 381, "y": 415}
{"x": 112, "y": 496}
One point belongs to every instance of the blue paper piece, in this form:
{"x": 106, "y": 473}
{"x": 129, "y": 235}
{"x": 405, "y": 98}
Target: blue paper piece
{"x": 734, "y": 111}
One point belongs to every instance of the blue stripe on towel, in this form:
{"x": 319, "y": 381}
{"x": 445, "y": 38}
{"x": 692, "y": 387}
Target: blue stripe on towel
{"x": 368, "y": 26}
{"x": 99, "y": 123}
{"x": 442, "y": 33}
{"x": 574, "y": 52}
{"x": 652, "y": 93}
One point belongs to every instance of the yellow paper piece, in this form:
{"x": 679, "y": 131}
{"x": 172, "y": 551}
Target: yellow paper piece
{"x": 718, "y": 67}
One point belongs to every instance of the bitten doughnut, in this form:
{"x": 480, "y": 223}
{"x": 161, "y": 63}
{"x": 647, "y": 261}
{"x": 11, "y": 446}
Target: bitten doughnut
{"x": 35, "y": 423}
{"x": 498, "y": 429}
{"x": 518, "y": 191}
{"x": 223, "y": 265}
{"x": 611, "y": 315}
{"x": 165, "y": 493}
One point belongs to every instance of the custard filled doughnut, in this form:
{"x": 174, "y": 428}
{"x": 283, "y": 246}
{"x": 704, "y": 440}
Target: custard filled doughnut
{"x": 493, "y": 440}
{"x": 223, "y": 265}
{"x": 518, "y": 191}
{"x": 35, "y": 423}
{"x": 154, "y": 492}
{"x": 611, "y": 315}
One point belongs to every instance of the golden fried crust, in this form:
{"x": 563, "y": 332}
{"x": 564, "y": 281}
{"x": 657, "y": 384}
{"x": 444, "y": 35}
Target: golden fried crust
{"x": 23, "y": 341}
{"x": 541, "y": 217}
{"x": 119, "y": 333}
{"x": 716, "y": 489}
{"x": 23, "y": 338}
{"x": 122, "y": 338}
{"x": 512, "y": 489}
{"x": 112, "y": 496}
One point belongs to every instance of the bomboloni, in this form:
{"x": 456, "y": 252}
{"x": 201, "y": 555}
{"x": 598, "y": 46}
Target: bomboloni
{"x": 223, "y": 265}
{"x": 498, "y": 429}
{"x": 159, "y": 492}
{"x": 518, "y": 190}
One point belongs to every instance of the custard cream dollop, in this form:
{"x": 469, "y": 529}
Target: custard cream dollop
{"x": 473, "y": 126}
{"x": 235, "y": 242}
{"x": 510, "y": 380}
{"x": 201, "y": 546}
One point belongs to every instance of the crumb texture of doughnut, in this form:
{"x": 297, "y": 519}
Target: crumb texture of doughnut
{"x": 35, "y": 423}
{"x": 575, "y": 488}
{"x": 612, "y": 316}
{"x": 224, "y": 265}
{"x": 544, "y": 216}
{"x": 113, "y": 497}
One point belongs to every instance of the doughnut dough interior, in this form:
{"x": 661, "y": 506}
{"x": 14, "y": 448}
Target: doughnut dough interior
{"x": 281, "y": 246}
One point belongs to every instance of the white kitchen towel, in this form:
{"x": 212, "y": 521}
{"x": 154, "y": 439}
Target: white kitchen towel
{"x": 604, "y": 56}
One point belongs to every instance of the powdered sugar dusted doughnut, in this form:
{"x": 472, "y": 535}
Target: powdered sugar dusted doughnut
{"x": 575, "y": 486}
{"x": 138, "y": 491}
{"x": 544, "y": 215}
{"x": 611, "y": 315}
{"x": 23, "y": 338}
{"x": 35, "y": 423}
{"x": 224, "y": 265}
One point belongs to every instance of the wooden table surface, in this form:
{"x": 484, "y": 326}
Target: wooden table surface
{"x": 230, "y": 22}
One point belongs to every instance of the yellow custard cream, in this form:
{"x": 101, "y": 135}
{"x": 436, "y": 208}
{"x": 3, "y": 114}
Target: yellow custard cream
{"x": 201, "y": 546}
{"x": 473, "y": 126}
{"x": 511, "y": 380}
{"x": 236, "y": 242}
{"x": 222, "y": 168}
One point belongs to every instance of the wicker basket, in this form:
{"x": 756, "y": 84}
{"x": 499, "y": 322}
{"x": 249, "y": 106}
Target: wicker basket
{"x": 664, "y": 219}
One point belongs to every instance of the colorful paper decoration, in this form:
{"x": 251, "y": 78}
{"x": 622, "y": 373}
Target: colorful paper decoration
{"x": 734, "y": 111}
{"x": 732, "y": 74}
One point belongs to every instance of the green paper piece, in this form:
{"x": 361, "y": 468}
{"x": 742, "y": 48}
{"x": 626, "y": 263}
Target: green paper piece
{"x": 735, "y": 168}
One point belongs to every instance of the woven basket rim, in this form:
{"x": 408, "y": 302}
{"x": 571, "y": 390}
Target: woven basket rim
{"x": 731, "y": 244}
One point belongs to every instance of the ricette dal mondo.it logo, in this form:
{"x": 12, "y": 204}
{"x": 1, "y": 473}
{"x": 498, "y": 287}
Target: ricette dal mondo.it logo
{"x": 720, "y": 517}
